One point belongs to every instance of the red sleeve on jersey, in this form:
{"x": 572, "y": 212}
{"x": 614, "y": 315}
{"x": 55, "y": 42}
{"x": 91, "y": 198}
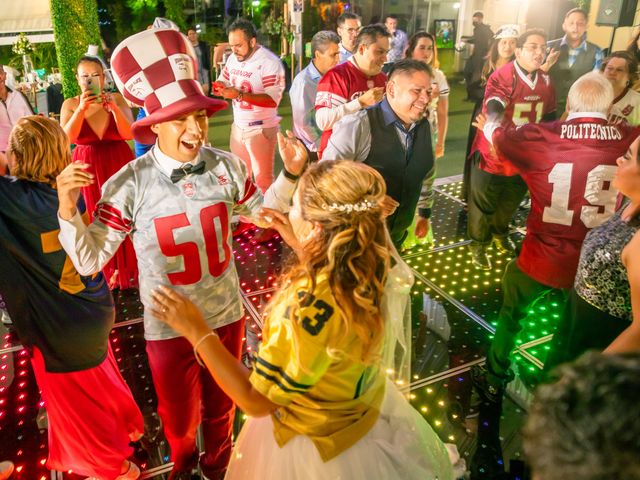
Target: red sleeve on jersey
{"x": 500, "y": 85}
{"x": 269, "y": 81}
{"x": 112, "y": 218}
{"x": 549, "y": 96}
{"x": 517, "y": 146}
{"x": 332, "y": 83}
{"x": 249, "y": 189}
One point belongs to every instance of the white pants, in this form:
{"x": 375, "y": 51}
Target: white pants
{"x": 256, "y": 147}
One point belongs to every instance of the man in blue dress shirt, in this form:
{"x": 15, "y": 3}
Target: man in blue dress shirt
{"x": 325, "y": 53}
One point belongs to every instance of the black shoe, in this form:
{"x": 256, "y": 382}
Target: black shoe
{"x": 479, "y": 257}
{"x": 504, "y": 244}
{"x": 488, "y": 391}
{"x": 487, "y": 463}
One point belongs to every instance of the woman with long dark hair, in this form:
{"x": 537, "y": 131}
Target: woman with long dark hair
{"x": 99, "y": 124}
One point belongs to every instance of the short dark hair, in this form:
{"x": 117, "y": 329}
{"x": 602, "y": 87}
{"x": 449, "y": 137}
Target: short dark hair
{"x": 522, "y": 39}
{"x": 370, "y": 34}
{"x": 90, "y": 59}
{"x": 245, "y": 25}
{"x": 632, "y": 64}
{"x": 321, "y": 40}
{"x": 347, "y": 16}
{"x": 391, "y": 15}
{"x": 478, "y": 14}
{"x": 577, "y": 10}
{"x": 586, "y": 425}
{"x": 408, "y": 66}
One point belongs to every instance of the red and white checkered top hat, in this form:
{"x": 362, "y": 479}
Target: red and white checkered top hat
{"x": 157, "y": 69}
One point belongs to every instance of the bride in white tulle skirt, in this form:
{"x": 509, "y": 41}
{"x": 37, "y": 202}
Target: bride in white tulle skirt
{"x": 401, "y": 445}
{"x": 320, "y": 402}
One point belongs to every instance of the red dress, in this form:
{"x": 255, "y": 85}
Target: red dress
{"x": 105, "y": 157}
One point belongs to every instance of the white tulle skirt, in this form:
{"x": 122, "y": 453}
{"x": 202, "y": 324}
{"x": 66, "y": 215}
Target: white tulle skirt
{"x": 401, "y": 445}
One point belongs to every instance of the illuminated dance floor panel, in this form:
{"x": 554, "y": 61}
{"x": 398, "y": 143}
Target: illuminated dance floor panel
{"x": 454, "y": 312}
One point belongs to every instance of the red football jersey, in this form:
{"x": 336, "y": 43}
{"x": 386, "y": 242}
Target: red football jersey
{"x": 525, "y": 101}
{"x": 568, "y": 167}
{"x": 341, "y": 84}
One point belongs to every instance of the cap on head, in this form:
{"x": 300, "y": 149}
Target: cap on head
{"x": 156, "y": 69}
{"x": 508, "y": 31}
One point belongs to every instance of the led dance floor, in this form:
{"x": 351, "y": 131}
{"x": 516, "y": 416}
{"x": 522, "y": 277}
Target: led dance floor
{"x": 454, "y": 310}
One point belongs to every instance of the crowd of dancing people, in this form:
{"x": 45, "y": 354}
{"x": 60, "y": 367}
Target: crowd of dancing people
{"x": 555, "y": 120}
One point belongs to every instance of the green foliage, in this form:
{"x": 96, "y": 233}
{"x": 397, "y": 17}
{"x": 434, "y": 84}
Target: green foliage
{"x": 137, "y": 6}
{"x": 174, "y": 10}
{"x": 273, "y": 25}
{"x": 583, "y": 4}
{"x": 75, "y": 25}
{"x": 22, "y": 45}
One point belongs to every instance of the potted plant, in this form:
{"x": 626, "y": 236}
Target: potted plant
{"x": 24, "y": 47}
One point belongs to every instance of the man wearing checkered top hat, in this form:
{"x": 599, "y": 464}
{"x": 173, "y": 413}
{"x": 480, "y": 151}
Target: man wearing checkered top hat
{"x": 176, "y": 202}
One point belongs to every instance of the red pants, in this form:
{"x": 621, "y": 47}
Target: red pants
{"x": 91, "y": 415}
{"x": 188, "y": 396}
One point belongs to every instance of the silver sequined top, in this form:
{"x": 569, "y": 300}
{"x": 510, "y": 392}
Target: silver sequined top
{"x": 601, "y": 279}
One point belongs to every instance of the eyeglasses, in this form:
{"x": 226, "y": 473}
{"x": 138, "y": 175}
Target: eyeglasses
{"x": 532, "y": 47}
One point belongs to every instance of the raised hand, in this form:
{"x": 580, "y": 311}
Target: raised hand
{"x": 86, "y": 99}
{"x": 293, "y": 154}
{"x": 423, "y": 225}
{"x": 280, "y": 222}
{"x": 371, "y": 96}
{"x": 388, "y": 206}
{"x": 480, "y": 121}
{"x": 552, "y": 58}
{"x": 108, "y": 103}
{"x": 68, "y": 185}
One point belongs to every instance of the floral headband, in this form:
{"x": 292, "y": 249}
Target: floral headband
{"x": 350, "y": 207}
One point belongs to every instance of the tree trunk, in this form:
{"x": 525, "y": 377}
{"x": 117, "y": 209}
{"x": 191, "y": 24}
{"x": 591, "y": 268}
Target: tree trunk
{"x": 75, "y": 25}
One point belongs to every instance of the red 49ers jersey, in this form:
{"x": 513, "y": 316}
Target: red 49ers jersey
{"x": 568, "y": 167}
{"x": 525, "y": 101}
{"x": 341, "y": 84}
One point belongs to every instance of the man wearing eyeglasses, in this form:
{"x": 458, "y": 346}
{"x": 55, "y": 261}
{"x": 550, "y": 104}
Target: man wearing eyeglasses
{"x": 520, "y": 92}
{"x": 348, "y": 27}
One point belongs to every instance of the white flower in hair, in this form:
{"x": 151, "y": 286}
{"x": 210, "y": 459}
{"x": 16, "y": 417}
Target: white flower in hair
{"x": 350, "y": 207}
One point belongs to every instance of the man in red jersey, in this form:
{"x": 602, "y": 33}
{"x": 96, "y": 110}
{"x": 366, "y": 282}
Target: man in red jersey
{"x": 521, "y": 93}
{"x": 568, "y": 167}
{"x": 355, "y": 84}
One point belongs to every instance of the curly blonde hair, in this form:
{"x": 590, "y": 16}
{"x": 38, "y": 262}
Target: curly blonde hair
{"x": 352, "y": 248}
{"x": 40, "y": 149}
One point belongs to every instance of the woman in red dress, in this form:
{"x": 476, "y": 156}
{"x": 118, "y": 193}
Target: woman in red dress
{"x": 99, "y": 124}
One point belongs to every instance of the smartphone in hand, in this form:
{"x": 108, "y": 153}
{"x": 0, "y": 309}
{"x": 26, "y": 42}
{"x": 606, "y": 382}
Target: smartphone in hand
{"x": 94, "y": 87}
